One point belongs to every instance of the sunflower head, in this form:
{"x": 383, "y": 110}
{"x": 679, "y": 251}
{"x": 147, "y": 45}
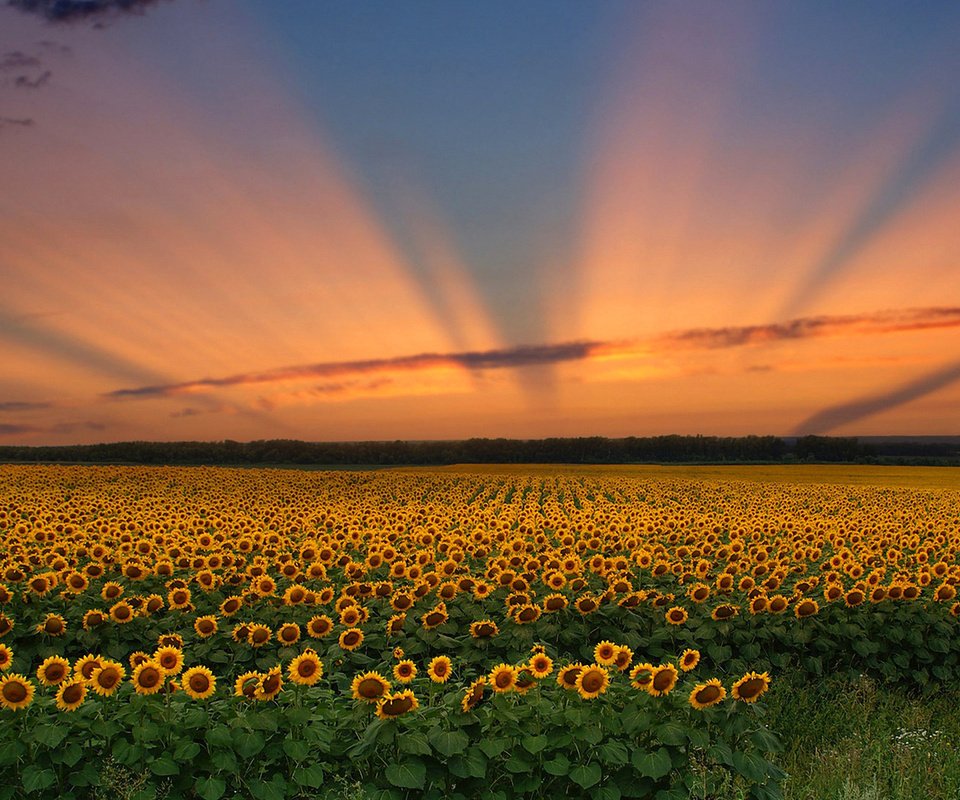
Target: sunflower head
{"x": 440, "y": 669}
{"x": 53, "y": 671}
{"x": 16, "y": 692}
{"x": 198, "y": 682}
{"x": 306, "y": 669}
{"x": 502, "y": 678}
{"x": 270, "y": 685}
{"x": 71, "y": 694}
{"x": 483, "y": 629}
{"x": 107, "y": 678}
{"x": 592, "y": 681}
{"x": 605, "y": 653}
{"x": 707, "y": 694}
{"x": 170, "y": 659}
{"x": 751, "y": 686}
{"x": 369, "y": 687}
{"x": 473, "y": 695}
{"x": 677, "y": 615}
{"x": 397, "y": 704}
{"x": 641, "y": 676}
{"x": 147, "y": 677}
{"x": 689, "y": 659}
{"x": 351, "y": 639}
{"x": 405, "y": 671}
{"x": 567, "y": 676}
{"x": 663, "y": 680}
{"x": 541, "y": 665}
{"x": 6, "y": 658}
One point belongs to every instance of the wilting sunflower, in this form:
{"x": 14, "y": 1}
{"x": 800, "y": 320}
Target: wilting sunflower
{"x": 567, "y": 676}
{"x": 663, "y": 680}
{"x": 605, "y": 653}
{"x": 473, "y": 695}
{"x": 483, "y": 629}
{"x": 806, "y": 608}
{"x": 205, "y": 626}
{"x": 270, "y": 685}
{"x": 319, "y": 626}
{"x": 6, "y": 657}
{"x": 369, "y": 687}
{"x": 198, "y": 682}
{"x": 53, "y": 671}
{"x": 397, "y": 704}
{"x": 677, "y": 615}
{"x": 53, "y": 625}
{"x": 107, "y": 678}
{"x": 751, "y": 686}
{"x": 592, "y": 681}
{"x": 502, "y": 678}
{"x": 641, "y": 676}
{"x": 306, "y": 669}
{"x": 707, "y": 694}
{"x": 147, "y": 678}
{"x": 71, "y": 694}
{"x": 246, "y": 685}
{"x": 170, "y": 659}
{"x": 404, "y": 671}
{"x": 16, "y": 691}
{"x": 540, "y": 665}
{"x": 689, "y": 660}
{"x": 351, "y": 639}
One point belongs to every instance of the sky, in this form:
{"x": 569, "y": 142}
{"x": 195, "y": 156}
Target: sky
{"x": 242, "y": 219}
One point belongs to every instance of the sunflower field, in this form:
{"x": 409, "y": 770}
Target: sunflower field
{"x": 205, "y": 632}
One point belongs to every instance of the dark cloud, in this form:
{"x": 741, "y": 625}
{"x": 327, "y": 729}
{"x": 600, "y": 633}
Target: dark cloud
{"x": 21, "y": 122}
{"x": 71, "y": 427}
{"x": 73, "y": 10}
{"x": 845, "y": 413}
{"x": 890, "y": 321}
{"x": 16, "y": 430}
{"x": 16, "y": 60}
{"x": 26, "y": 82}
{"x": 505, "y": 358}
{"x": 20, "y": 405}
{"x": 185, "y": 412}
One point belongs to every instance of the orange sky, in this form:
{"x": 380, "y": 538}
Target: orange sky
{"x": 172, "y": 270}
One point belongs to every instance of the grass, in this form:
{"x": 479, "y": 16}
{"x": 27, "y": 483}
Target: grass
{"x": 865, "y": 741}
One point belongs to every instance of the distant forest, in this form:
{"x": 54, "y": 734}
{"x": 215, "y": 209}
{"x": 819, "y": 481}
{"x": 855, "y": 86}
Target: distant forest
{"x": 588, "y": 450}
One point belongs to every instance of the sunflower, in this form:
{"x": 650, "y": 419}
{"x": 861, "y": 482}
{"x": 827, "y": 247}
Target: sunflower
{"x": 663, "y": 680}
{"x": 170, "y": 659}
{"x": 111, "y": 591}
{"x": 707, "y": 694}
{"x": 121, "y": 612}
{"x": 397, "y": 704}
{"x": 641, "y": 676}
{"x": 587, "y": 604}
{"x": 554, "y": 602}
{"x": 93, "y": 618}
{"x": 699, "y": 592}
{"x": 751, "y": 686}
{"x": 137, "y": 658}
{"x": 439, "y": 669}
{"x": 53, "y": 625}
{"x": 592, "y": 681}
{"x": 725, "y": 612}
{"x": 758, "y": 604}
{"x": 677, "y": 615}
{"x": 623, "y": 658}
{"x": 288, "y": 633}
{"x": 806, "y": 608}
{"x": 6, "y": 624}
{"x": 473, "y": 695}
{"x": 502, "y": 678}
{"x": 16, "y": 691}
{"x": 567, "y": 676}
{"x": 205, "y": 626}
{"x": 853, "y": 598}
{"x": 526, "y": 613}
{"x": 179, "y": 599}
{"x": 152, "y": 604}
{"x": 147, "y": 678}
{"x": 351, "y": 639}
{"x": 689, "y": 660}
{"x": 198, "y": 682}
{"x": 435, "y": 617}
{"x": 258, "y": 635}
{"x": 605, "y": 653}
{"x": 777, "y": 604}
{"x": 319, "y": 626}
{"x": 107, "y": 678}
{"x": 84, "y": 666}
{"x": 945, "y": 593}
{"x": 525, "y": 679}
{"x": 306, "y": 669}
{"x": 71, "y": 694}
{"x": 53, "y": 671}
{"x": 6, "y": 657}
{"x": 540, "y": 665}
{"x": 369, "y": 687}
{"x": 231, "y": 605}
{"x": 395, "y": 624}
{"x": 270, "y": 685}
{"x": 246, "y": 685}
{"x": 483, "y": 629}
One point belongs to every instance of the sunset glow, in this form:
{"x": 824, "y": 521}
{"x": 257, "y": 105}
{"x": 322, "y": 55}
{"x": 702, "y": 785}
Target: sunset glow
{"x": 227, "y": 220}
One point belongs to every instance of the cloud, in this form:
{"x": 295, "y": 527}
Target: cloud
{"x": 21, "y": 122}
{"x": 73, "y": 10}
{"x": 16, "y": 430}
{"x": 25, "y": 82}
{"x": 20, "y": 405}
{"x": 835, "y": 416}
{"x": 17, "y": 60}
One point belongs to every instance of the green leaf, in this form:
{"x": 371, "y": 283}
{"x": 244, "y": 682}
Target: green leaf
{"x": 164, "y": 766}
{"x": 219, "y": 736}
{"x": 613, "y": 753}
{"x": 448, "y": 743}
{"x": 211, "y": 788}
{"x": 186, "y": 750}
{"x": 275, "y": 789}
{"x": 248, "y": 744}
{"x": 751, "y": 766}
{"x": 50, "y": 735}
{"x": 721, "y": 753}
{"x": 224, "y": 760}
{"x": 415, "y": 744}
{"x": 296, "y": 749}
{"x": 473, "y": 764}
{"x": 408, "y": 774}
{"x": 72, "y": 755}
{"x": 518, "y": 763}
{"x": 586, "y": 775}
{"x": 559, "y": 765}
{"x": 764, "y": 740}
{"x": 671, "y": 733}
{"x": 10, "y": 752}
{"x": 652, "y": 765}
{"x": 311, "y": 777}
{"x": 534, "y": 744}
{"x": 606, "y": 793}
{"x": 494, "y": 747}
{"x": 35, "y": 779}
{"x": 671, "y": 794}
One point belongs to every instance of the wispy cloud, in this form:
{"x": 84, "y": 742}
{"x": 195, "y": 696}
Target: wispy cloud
{"x": 72, "y": 10}
{"x": 882, "y": 322}
{"x": 23, "y": 405}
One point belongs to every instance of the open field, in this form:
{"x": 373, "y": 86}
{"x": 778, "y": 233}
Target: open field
{"x": 658, "y": 632}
